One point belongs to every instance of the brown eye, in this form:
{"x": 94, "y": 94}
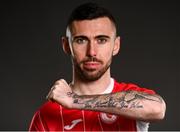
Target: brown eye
{"x": 80, "y": 41}
{"x": 101, "y": 40}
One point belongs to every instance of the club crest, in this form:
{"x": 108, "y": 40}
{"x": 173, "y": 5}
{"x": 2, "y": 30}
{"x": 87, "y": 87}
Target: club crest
{"x": 108, "y": 118}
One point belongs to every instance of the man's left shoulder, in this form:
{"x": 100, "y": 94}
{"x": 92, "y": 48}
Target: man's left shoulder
{"x": 122, "y": 86}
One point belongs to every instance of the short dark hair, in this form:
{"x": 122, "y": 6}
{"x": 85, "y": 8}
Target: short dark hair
{"x": 89, "y": 11}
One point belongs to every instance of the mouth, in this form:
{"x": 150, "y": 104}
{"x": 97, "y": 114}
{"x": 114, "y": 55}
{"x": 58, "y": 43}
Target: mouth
{"x": 91, "y": 65}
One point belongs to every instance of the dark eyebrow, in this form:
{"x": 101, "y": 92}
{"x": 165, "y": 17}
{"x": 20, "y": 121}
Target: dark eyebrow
{"x": 85, "y": 37}
{"x": 80, "y": 36}
{"x": 102, "y": 36}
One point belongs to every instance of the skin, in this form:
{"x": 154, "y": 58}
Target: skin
{"x": 92, "y": 46}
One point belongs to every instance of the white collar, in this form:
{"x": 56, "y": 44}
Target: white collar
{"x": 110, "y": 87}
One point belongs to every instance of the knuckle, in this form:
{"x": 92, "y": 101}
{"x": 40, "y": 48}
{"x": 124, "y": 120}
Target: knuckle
{"x": 57, "y": 82}
{"x": 60, "y": 81}
{"x": 55, "y": 87}
{"x": 51, "y": 95}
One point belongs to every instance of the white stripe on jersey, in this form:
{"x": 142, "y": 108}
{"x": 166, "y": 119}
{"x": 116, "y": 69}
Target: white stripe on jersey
{"x": 142, "y": 126}
{"x": 41, "y": 121}
{"x": 62, "y": 118}
{"x": 100, "y": 123}
{"x": 83, "y": 120}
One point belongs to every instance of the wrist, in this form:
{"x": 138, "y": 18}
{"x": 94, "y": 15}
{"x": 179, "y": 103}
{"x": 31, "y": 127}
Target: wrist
{"x": 75, "y": 101}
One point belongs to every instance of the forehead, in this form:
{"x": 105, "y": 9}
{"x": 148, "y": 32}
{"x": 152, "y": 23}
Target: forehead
{"x": 99, "y": 26}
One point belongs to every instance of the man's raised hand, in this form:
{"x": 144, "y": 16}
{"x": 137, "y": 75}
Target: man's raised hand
{"x": 61, "y": 93}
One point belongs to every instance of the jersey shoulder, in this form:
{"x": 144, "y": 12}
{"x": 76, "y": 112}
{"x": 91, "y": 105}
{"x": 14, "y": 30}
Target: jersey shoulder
{"x": 130, "y": 86}
{"x": 47, "y": 116}
{"x": 49, "y": 106}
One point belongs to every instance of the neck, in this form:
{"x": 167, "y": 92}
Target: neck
{"x": 92, "y": 87}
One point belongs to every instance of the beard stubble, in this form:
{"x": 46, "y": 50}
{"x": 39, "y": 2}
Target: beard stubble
{"x": 88, "y": 75}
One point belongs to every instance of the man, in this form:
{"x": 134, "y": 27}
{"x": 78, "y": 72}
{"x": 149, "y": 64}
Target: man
{"x": 94, "y": 101}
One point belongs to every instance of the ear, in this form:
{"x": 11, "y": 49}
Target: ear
{"x": 65, "y": 45}
{"x": 116, "y": 46}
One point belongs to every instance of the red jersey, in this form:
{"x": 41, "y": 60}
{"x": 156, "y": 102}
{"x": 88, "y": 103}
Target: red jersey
{"x": 53, "y": 117}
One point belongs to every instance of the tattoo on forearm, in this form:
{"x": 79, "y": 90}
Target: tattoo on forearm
{"x": 126, "y": 99}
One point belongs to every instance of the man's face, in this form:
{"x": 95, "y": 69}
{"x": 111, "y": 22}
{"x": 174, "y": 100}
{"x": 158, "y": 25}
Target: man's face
{"x": 92, "y": 43}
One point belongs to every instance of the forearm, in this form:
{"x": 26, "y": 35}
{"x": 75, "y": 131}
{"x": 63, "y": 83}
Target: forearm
{"x": 131, "y": 104}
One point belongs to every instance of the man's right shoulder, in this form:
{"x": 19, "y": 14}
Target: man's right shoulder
{"x": 48, "y": 107}
{"x": 47, "y": 116}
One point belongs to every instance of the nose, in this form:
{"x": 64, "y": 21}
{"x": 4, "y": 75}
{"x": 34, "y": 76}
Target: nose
{"x": 91, "y": 50}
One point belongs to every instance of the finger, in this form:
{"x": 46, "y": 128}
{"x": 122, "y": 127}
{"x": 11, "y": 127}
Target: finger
{"x": 59, "y": 81}
{"x": 50, "y": 94}
{"x": 50, "y": 98}
{"x": 64, "y": 82}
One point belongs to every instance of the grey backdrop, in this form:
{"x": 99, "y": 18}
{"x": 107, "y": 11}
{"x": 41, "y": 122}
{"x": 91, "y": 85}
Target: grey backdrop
{"x": 31, "y": 58}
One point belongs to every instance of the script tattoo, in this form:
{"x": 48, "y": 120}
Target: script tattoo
{"x": 122, "y": 100}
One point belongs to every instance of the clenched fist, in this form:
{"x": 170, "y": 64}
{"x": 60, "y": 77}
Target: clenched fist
{"x": 61, "y": 93}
